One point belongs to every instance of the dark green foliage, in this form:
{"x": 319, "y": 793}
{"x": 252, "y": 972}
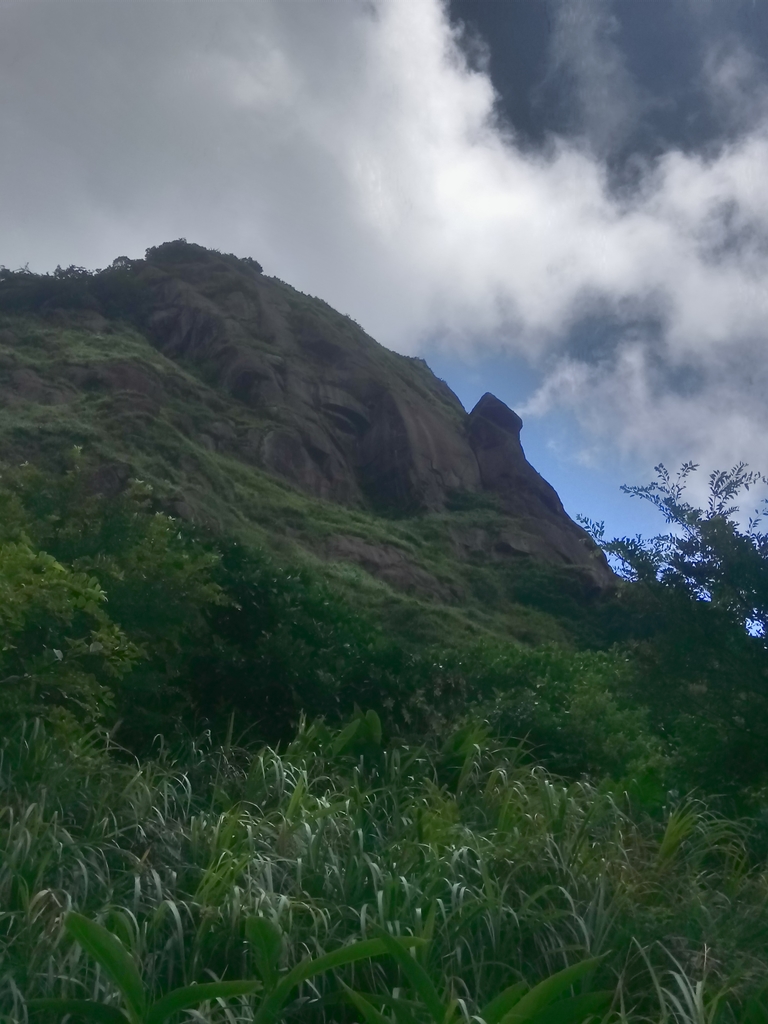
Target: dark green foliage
{"x": 696, "y": 618}
{"x": 118, "y": 291}
{"x": 23, "y": 291}
{"x": 214, "y": 628}
{"x": 182, "y": 251}
{"x": 263, "y": 936}
{"x": 283, "y": 643}
{"x": 159, "y": 585}
{"x": 186, "y": 628}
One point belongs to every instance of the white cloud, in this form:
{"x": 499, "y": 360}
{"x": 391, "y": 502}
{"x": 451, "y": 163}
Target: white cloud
{"x": 349, "y": 147}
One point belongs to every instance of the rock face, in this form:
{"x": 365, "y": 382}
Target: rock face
{"x": 494, "y": 436}
{"x": 348, "y": 420}
{"x": 344, "y": 418}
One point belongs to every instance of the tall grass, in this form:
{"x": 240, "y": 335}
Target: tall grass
{"x": 510, "y": 872}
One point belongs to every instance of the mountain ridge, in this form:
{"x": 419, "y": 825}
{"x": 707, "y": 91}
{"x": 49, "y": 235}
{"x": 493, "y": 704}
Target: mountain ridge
{"x": 193, "y": 368}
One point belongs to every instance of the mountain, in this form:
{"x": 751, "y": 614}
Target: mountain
{"x": 258, "y": 410}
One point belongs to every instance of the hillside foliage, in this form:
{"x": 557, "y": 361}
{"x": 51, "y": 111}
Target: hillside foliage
{"x": 243, "y": 781}
{"x": 184, "y": 752}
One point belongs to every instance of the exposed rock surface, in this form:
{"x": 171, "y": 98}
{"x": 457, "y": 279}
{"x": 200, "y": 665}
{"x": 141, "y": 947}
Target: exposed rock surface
{"x": 544, "y": 529}
{"x": 348, "y": 420}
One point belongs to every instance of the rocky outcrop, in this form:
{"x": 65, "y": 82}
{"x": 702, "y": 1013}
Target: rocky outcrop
{"x": 347, "y": 420}
{"x": 543, "y": 528}
{"x": 494, "y": 436}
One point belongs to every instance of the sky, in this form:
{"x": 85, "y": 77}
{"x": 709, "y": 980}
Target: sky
{"x": 559, "y": 201}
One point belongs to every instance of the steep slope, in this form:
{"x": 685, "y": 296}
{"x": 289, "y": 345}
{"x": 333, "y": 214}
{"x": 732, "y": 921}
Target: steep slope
{"x": 235, "y": 395}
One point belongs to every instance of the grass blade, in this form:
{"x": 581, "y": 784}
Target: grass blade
{"x": 373, "y": 722}
{"x": 371, "y": 1014}
{"x": 533, "y": 1002}
{"x": 266, "y": 941}
{"x": 296, "y": 797}
{"x": 418, "y": 977}
{"x": 345, "y": 737}
{"x": 755, "y": 1013}
{"x": 273, "y": 1003}
{"x": 406, "y": 1010}
{"x": 575, "y": 1010}
{"x": 503, "y": 1003}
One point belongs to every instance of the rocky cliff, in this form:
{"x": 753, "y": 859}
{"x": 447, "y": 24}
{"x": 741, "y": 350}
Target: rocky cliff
{"x": 321, "y": 405}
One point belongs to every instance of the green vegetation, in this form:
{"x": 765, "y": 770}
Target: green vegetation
{"x": 161, "y": 435}
{"x": 241, "y": 781}
{"x": 520, "y": 810}
{"x": 696, "y": 624}
{"x": 511, "y": 874}
{"x": 182, "y": 628}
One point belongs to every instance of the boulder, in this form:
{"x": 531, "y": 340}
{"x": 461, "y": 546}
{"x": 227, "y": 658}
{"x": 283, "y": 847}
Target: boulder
{"x": 494, "y": 436}
{"x": 542, "y": 528}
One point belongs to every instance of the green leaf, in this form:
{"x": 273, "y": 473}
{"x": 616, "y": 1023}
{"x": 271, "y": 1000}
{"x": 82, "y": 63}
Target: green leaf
{"x": 371, "y": 1014}
{"x": 407, "y": 1011}
{"x": 104, "y": 947}
{"x": 266, "y": 941}
{"x": 81, "y": 1008}
{"x": 373, "y": 722}
{"x": 193, "y": 995}
{"x": 417, "y": 976}
{"x": 274, "y": 1001}
{"x": 296, "y": 797}
{"x": 427, "y": 931}
{"x": 493, "y": 1012}
{"x": 345, "y": 737}
{"x": 541, "y": 995}
{"x": 756, "y": 1010}
{"x": 575, "y": 1010}
{"x": 429, "y": 925}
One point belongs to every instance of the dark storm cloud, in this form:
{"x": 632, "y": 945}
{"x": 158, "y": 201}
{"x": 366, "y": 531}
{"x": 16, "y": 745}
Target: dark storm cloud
{"x": 669, "y": 74}
{"x": 358, "y": 152}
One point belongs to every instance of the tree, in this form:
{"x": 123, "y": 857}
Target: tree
{"x": 58, "y": 647}
{"x": 696, "y": 621}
